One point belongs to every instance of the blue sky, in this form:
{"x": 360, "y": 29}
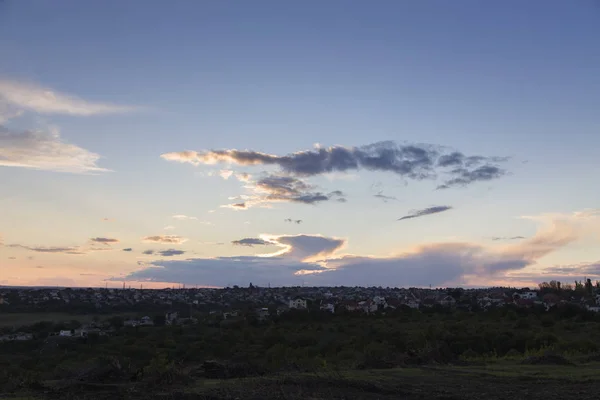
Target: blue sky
{"x": 128, "y": 82}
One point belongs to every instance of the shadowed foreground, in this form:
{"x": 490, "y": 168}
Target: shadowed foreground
{"x": 498, "y": 381}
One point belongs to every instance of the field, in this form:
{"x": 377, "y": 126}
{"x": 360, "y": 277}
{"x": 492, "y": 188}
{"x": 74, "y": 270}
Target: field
{"x": 506, "y": 380}
{"x": 506, "y": 353}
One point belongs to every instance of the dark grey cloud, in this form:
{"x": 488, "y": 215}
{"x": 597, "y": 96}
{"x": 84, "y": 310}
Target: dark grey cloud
{"x": 464, "y": 176}
{"x": 128, "y": 249}
{"x": 412, "y": 161}
{"x": 287, "y": 188}
{"x": 251, "y": 242}
{"x": 426, "y": 211}
{"x": 104, "y": 240}
{"x": 148, "y": 252}
{"x": 171, "y": 252}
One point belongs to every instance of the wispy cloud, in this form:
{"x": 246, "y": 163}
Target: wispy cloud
{"x": 384, "y": 198}
{"x": 45, "y": 150}
{"x": 47, "y": 101}
{"x": 425, "y": 211}
{"x": 411, "y": 161}
{"x": 497, "y": 238}
{"x": 128, "y": 249}
{"x": 169, "y": 228}
{"x": 104, "y": 240}
{"x": 296, "y": 221}
{"x": 50, "y": 249}
{"x": 181, "y": 217}
{"x": 164, "y": 239}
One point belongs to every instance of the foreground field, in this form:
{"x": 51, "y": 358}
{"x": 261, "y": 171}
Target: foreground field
{"x": 491, "y": 382}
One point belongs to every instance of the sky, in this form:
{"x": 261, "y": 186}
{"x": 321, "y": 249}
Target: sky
{"x": 287, "y": 143}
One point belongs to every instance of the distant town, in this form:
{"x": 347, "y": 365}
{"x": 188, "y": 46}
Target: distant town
{"x": 189, "y": 306}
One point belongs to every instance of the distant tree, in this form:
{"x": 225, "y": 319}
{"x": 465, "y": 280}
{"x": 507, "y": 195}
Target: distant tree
{"x": 589, "y": 288}
{"x": 116, "y": 322}
{"x": 159, "y": 320}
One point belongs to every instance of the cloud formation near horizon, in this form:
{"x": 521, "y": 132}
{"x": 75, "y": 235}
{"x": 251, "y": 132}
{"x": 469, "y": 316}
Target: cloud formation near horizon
{"x": 45, "y": 150}
{"x": 426, "y": 211}
{"x": 316, "y": 260}
{"x": 411, "y": 161}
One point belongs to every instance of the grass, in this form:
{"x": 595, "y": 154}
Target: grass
{"x": 387, "y": 377}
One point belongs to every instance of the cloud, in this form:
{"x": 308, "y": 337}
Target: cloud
{"x": 44, "y": 150}
{"x": 12, "y": 258}
{"x": 411, "y": 161}
{"x": 236, "y": 206}
{"x": 275, "y": 188}
{"x": 164, "y": 239}
{"x": 425, "y": 211}
{"x": 225, "y": 173}
{"x": 171, "y": 252}
{"x": 497, "y": 238}
{"x": 103, "y": 240}
{"x": 243, "y": 177}
{"x": 464, "y": 177}
{"x": 169, "y": 227}
{"x": 296, "y": 221}
{"x": 128, "y": 249}
{"x": 183, "y": 217}
{"x": 251, "y": 242}
{"x": 148, "y": 252}
{"x": 576, "y": 270}
{"x": 47, "y": 101}
{"x": 384, "y": 198}
{"x": 317, "y": 260}
{"x": 51, "y": 249}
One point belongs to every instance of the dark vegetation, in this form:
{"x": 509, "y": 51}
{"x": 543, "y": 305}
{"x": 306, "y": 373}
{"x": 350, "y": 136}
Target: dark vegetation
{"x": 298, "y": 354}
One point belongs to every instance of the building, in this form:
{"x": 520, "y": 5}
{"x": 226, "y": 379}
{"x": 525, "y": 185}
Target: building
{"x": 298, "y": 303}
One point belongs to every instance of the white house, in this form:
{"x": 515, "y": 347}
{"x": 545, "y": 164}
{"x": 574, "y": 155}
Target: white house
{"x": 170, "y": 318}
{"x": 328, "y": 307}
{"x": 529, "y": 295}
{"x": 298, "y": 303}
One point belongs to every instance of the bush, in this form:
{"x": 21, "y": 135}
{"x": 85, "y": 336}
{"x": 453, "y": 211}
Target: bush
{"x": 469, "y": 354}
